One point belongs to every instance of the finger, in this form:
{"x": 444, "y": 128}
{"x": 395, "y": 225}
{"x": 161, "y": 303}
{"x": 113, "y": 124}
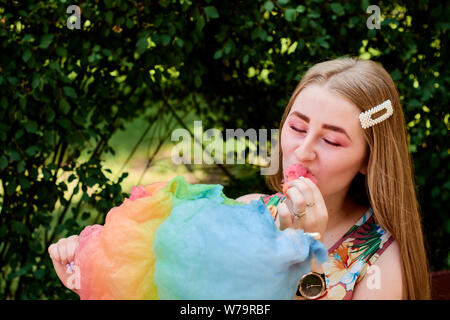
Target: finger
{"x": 61, "y": 271}
{"x": 53, "y": 252}
{"x": 296, "y": 202}
{"x": 62, "y": 250}
{"x": 285, "y": 216}
{"x": 71, "y": 248}
{"x": 303, "y": 187}
{"x": 63, "y": 275}
{"x": 317, "y": 195}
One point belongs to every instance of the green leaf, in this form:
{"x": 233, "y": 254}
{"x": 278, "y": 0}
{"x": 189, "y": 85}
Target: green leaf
{"x": 65, "y": 123}
{"x": 283, "y": 2}
{"x": 107, "y": 52}
{"x": 70, "y": 92}
{"x": 85, "y": 216}
{"x": 91, "y": 58}
{"x": 50, "y": 115}
{"x": 19, "y": 227}
{"x": 262, "y": 34}
{"x": 36, "y": 81}
{"x": 21, "y": 166}
{"x": 48, "y": 135}
{"x": 64, "y": 106}
{"x": 62, "y": 52}
{"x": 40, "y": 273}
{"x": 3, "y": 162}
{"x": 120, "y": 21}
{"x": 26, "y": 55}
{"x": 415, "y": 103}
{"x": 300, "y": 9}
{"x": 268, "y": 6}
{"x": 130, "y": 24}
{"x": 85, "y": 197}
{"x": 46, "y": 40}
{"x": 19, "y": 133}
{"x": 337, "y": 8}
{"x": 141, "y": 45}
{"x": 396, "y": 75}
{"x": 211, "y": 12}
{"x": 14, "y": 155}
{"x": 218, "y": 54}
{"x": 197, "y": 81}
{"x": 28, "y": 38}
{"x": 200, "y": 23}
{"x": 228, "y": 47}
{"x": 179, "y": 42}
{"x": 31, "y": 126}
{"x": 71, "y": 178}
{"x": 165, "y": 39}
{"x": 109, "y": 17}
{"x": 24, "y": 183}
{"x": 31, "y": 151}
{"x": 290, "y": 14}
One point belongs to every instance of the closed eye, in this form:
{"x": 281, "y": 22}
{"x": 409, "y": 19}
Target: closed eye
{"x": 332, "y": 143}
{"x": 329, "y": 142}
{"x": 298, "y": 130}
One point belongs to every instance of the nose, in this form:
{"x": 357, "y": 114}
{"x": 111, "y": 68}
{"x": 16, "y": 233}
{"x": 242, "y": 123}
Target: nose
{"x": 306, "y": 150}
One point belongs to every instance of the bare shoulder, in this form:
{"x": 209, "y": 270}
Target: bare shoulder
{"x": 384, "y": 281}
{"x": 247, "y": 198}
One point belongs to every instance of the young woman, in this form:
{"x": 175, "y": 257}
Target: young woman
{"x": 364, "y": 204}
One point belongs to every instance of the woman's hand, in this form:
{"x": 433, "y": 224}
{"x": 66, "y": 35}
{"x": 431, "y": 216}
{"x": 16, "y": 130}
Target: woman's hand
{"x": 63, "y": 253}
{"x": 301, "y": 192}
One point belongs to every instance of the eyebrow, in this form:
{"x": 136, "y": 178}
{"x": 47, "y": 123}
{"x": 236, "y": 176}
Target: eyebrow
{"x": 325, "y": 126}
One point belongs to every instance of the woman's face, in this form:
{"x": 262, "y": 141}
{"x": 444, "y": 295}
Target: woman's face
{"x": 322, "y": 132}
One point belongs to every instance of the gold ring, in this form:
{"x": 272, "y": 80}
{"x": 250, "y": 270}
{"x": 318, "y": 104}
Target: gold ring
{"x": 298, "y": 215}
{"x": 310, "y": 204}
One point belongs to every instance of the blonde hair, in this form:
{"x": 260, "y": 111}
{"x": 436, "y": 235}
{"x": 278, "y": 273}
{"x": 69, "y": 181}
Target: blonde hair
{"x": 389, "y": 183}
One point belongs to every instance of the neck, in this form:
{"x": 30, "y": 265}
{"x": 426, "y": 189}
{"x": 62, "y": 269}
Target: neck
{"x": 340, "y": 206}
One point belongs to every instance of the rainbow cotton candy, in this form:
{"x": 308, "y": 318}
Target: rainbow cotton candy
{"x": 178, "y": 240}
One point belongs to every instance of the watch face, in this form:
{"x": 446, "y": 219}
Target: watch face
{"x": 311, "y": 286}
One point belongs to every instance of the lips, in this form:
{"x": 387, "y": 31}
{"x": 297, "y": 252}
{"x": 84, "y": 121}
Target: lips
{"x": 296, "y": 171}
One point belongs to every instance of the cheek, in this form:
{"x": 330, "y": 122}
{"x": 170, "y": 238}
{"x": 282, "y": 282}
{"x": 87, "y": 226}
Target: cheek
{"x": 288, "y": 146}
{"x": 289, "y": 143}
{"x": 286, "y": 141}
{"x": 339, "y": 170}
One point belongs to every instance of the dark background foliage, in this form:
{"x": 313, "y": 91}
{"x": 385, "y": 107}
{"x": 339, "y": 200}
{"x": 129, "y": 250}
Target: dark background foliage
{"x": 64, "y": 93}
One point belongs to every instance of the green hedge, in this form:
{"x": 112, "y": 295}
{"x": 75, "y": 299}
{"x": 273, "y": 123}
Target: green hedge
{"x": 63, "y": 93}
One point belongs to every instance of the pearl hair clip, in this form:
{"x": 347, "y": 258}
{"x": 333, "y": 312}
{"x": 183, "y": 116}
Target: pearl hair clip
{"x": 365, "y": 117}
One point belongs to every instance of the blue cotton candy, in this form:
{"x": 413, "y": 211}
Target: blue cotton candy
{"x": 209, "y": 248}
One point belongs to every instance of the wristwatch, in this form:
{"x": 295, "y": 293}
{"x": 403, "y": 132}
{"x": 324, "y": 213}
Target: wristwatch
{"x": 312, "y": 286}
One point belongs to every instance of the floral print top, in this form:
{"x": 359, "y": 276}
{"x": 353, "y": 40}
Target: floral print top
{"x": 351, "y": 256}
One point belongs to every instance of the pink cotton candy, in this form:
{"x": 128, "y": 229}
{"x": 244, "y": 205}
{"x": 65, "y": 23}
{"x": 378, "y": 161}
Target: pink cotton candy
{"x": 137, "y": 192}
{"x": 296, "y": 171}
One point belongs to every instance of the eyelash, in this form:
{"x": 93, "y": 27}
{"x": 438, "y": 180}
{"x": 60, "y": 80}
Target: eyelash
{"x": 330, "y": 143}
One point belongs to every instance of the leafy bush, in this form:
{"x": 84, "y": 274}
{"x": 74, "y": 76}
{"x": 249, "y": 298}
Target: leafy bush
{"x": 63, "y": 93}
